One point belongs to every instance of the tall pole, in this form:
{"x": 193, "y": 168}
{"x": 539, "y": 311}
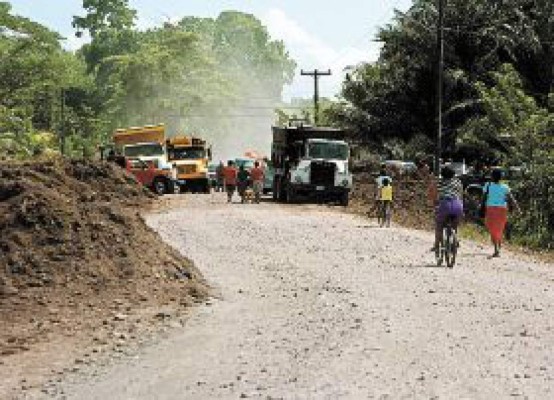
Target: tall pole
{"x": 440, "y": 67}
{"x": 316, "y": 74}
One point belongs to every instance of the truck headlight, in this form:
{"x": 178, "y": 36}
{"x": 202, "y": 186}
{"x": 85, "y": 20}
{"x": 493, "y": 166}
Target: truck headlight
{"x": 345, "y": 182}
{"x": 298, "y": 179}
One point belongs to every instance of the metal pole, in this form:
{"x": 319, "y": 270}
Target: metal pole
{"x": 316, "y": 97}
{"x": 440, "y": 67}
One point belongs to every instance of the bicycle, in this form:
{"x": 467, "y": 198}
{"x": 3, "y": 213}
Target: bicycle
{"x": 448, "y": 247}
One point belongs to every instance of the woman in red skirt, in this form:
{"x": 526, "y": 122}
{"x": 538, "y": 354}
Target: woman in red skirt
{"x": 498, "y": 195}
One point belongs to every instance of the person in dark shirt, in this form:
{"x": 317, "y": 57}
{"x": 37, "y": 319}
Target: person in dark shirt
{"x": 243, "y": 177}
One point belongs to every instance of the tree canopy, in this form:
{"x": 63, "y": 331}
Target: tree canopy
{"x": 394, "y": 98}
{"x": 219, "y": 77}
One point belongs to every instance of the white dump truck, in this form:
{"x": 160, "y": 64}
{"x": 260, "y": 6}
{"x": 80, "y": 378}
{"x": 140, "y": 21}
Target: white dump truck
{"x": 310, "y": 162}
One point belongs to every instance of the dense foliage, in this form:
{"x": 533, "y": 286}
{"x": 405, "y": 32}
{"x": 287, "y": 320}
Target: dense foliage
{"x": 217, "y": 77}
{"x": 394, "y": 99}
{"x": 498, "y": 95}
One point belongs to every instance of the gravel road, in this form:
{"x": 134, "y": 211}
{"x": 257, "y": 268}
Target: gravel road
{"x": 316, "y": 303}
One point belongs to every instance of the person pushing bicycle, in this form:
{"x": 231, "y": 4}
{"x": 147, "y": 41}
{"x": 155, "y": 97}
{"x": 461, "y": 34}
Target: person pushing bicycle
{"x": 448, "y": 197}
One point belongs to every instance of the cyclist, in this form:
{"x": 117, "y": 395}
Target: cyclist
{"x": 448, "y": 198}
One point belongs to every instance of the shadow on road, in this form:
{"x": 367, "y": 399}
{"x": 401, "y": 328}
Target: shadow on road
{"x": 428, "y": 265}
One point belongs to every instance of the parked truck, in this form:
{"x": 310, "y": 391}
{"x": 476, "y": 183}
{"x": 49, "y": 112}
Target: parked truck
{"x": 310, "y": 162}
{"x": 191, "y": 156}
{"x": 142, "y": 152}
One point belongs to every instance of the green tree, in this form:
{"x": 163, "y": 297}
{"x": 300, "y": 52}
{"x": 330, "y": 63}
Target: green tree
{"x": 395, "y": 98}
{"x": 105, "y": 16}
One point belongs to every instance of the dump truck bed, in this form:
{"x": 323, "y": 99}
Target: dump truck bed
{"x": 147, "y": 134}
{"x": 285, "y": 135}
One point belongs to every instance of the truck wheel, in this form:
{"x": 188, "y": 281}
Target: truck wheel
{"x": 274, "y": 192}
{"x": 277, "y": 191}
{"x": 281, "y": 193}
{"x": 291, "y": 195}
{"x": 207, "y": 188}
{"x": 160, "y": 186}
{"x": 344, "y": 199}
{"x": 170, "y": 187}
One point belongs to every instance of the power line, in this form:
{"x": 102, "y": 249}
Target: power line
{"x": 316, "y": 74}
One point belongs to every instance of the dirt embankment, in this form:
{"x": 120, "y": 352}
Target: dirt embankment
{"x": 76, "y": 258}
{"x": 411, "y": 207}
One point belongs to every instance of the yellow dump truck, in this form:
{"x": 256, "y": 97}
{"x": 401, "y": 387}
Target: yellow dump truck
{"x": 143, "y": 149}
{"x": 190, "y": 155}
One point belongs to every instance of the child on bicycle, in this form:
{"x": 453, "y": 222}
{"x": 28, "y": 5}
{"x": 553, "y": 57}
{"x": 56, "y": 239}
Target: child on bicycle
{"x": 448, "y": 198}
{"x": 385, "y": 200}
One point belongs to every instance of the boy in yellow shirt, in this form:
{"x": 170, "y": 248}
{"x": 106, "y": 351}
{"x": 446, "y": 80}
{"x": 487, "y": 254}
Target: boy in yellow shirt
{"x": 385, "y": 197}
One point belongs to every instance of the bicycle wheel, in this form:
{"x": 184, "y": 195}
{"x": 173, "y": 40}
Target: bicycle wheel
{"x": 439, "y": 252}
{"x": 450, "y": 247}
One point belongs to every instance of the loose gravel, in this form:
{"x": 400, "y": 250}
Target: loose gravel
{"x": 315, "y": 303}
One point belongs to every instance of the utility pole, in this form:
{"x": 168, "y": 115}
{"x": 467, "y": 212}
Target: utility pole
{"x": 62, "y": 121}
{"x": 316, "y": 74}
{"x": 440, "y": 67}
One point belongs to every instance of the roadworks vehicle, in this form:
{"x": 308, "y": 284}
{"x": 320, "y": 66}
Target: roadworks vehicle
{"x": 190, "y": 156}
{"x": 142, "y": 149}
{"x": 310, "y": 162}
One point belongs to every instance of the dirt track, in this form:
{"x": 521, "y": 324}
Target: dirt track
{"x": 317, "y": 303}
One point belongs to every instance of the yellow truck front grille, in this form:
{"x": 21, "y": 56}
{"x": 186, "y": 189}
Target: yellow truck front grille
{"x": 186, "y": 169}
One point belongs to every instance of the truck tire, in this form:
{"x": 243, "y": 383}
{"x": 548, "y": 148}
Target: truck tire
{"x": 159, "y": 186}
{"x": 291, "y": 196}
{"x": 278, "y": 192}
{"x": 344, "y": 199}
{"x": 170, "y": 187}
{"x": 274, "y": 191}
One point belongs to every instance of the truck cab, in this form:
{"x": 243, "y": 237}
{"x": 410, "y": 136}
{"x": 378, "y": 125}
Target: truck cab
{"x": 310, "y": 162}
{"x": 143, "y": 150}
{"x": 191, "y": 157}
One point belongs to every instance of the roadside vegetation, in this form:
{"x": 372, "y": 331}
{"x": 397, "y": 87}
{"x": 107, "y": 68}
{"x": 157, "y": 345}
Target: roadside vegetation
{"x": 498, "y": 96}
{"x": 201, "y": 73}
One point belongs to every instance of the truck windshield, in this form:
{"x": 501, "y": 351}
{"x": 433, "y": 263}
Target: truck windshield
{"x": 143, "y": 150}
{"x": 328, "y": 150}
{"x": 186, "y": 153}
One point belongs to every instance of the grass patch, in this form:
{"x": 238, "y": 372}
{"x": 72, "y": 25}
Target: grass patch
{"x": 474, "y": 232}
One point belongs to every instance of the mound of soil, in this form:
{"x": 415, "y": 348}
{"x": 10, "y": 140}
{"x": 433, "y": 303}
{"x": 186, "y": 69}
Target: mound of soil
{"x": 74, "y": 250}
{"x": 411, "y": 207}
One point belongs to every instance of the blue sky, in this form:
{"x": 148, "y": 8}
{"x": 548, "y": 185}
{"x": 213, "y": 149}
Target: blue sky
{"x": 319, "y": 34}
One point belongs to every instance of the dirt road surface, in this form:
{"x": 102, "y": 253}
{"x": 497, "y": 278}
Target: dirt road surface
{"x": 316, "y": 303}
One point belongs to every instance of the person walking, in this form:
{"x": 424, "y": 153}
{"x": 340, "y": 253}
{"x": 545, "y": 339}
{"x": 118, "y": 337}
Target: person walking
{"x": 386, "y": 203}
{"x": 219, "y": 186}
{"x": 230, "y": 179}
{"x": 496, "y": 197}
{"x": 243, "y": 177}
{"x": 378, "y": 185}
{"x": 257, "y": 176}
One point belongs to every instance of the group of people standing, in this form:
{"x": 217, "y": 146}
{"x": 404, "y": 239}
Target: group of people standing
{"x": 447, "y": 196}
{"x": 240, "y": 179}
